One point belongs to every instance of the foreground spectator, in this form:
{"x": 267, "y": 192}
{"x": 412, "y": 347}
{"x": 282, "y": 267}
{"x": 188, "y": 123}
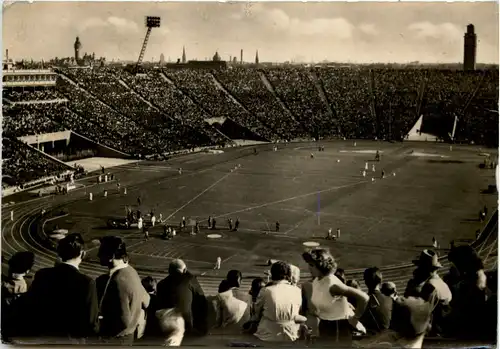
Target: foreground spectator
{"x": 14, "y": 287}
{"x": 277, "y": 307}
{"x": 425, "y": 275}
{"x": 471, "y": 293}
{"x": 63, "y": 300}
{"x": 123, "y": 299}
{"x": 234, "y": 308}
{"x": 411, "y": 320}
{"x": 172, "y": 326}
{"x": 152, "y": 327}
{"x": 377, "y": 316}
{"x": 181, "y": 291}
{"x": 329, "y": 299}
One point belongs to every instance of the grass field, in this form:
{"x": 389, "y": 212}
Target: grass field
{"x": 435, "y": 193}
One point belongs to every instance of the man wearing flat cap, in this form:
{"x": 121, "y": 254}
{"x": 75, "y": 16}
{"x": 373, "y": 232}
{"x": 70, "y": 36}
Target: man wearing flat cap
{"x": 425, "y": 281}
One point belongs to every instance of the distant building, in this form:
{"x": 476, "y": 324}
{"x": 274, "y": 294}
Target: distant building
{"x": 162, "y": 59}
{"x": 241, "y": 56}
{"x": 470, "y": 47}
{"x": 216, "y": 57}
{"x": 184, "y": 55}
{"x": 257, "y": 57}
{"x": 77, "y": 46}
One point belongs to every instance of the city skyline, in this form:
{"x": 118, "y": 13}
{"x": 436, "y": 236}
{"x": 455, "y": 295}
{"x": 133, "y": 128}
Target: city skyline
{"x": 306, "y": 32}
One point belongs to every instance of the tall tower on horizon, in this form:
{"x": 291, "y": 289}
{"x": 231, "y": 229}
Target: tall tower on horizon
{"x": 241, "y": 56}
{"x": 77, "y": 46}
{"x": 257, "y": 57}
{"x": 183, "y": 54}
{"x": 470, "y": 48}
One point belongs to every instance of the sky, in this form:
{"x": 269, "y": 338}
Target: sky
{"x": 357, "y": 32}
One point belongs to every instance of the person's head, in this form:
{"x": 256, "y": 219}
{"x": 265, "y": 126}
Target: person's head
{"x": 21, "y": 263}
{"x": 112, "y": 251}
{"x": 257, "y": 285}
{"x": 340, "y": 273}
{"x": 427, "y": 264}
{"x": 320, "y": 262}
{"x": 388, "y": 289}
{"x": 177, "y": 267}
{"x": 295, "y": 274}
{"x": 71, "y": 248}
{"x": 234, "y": 278}
{"x": 149, "y": 284}
{"x": 280, "y": 271}
{"x": 372, "y": 277}
{"x": 353, "y": 283}
{"x": 465, "y": 259}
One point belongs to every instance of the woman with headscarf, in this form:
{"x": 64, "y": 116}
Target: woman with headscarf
{"x": 277, "y": 307}
{"x": 329, "y": 299}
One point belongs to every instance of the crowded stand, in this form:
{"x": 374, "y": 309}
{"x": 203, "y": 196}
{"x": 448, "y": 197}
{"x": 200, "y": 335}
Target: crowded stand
{"x": 321, "y": 309}
{"x": 480, "y": 120}
{"x": 172, "y": 102}
{"x": 348, "y": 91}
{"x": 146, "y": 115}
{"x": 247, "y": 87}
{"x": 36, "y": 95}
{"x": 396, "y": 94}
{"x": 29, "y": 119}
{"x": 105, "y": 85}
{"x": 296, "y": 89}
{"x": 21, "y": 164}
{"x": 445, "y": 97}
{"x": 202, "y": 88}
{"x": 109, "y": 127}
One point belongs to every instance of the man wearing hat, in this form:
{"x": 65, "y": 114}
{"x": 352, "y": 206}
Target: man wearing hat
{"x": 425, "y": 280}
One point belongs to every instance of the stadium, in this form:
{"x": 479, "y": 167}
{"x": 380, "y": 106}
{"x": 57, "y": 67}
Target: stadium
{"x": 373, "y": 163}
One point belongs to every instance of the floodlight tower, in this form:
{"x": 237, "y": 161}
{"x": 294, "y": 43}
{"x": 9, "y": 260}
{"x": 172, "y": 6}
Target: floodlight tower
{"x": 151, "y": 22}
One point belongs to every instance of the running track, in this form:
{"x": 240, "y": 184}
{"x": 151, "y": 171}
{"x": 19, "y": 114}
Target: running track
{"x": 16, "y": 236}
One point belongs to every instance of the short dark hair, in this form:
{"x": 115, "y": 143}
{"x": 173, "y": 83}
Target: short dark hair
{"x": 372, "y": 277}
{"x": 113, "y": 247}
{"x": 280, "y": 271}
{"x": 234, "y": 277}
{"x": 340, "y": 273}
{"x": 70, "y": 247}
{"x": 21, "y": 262}
{"x": 149, "y": 284}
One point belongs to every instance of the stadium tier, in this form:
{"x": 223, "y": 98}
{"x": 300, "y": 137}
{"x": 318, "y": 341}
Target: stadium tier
{"x": 162, "y": 111}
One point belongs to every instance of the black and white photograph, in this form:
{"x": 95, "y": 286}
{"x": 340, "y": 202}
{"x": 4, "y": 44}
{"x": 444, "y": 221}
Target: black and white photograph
{"x": 250, "y": 174}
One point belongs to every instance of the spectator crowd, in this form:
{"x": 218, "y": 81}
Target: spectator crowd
{"x": 162, "y": 111}
{"x": 62, "y": 303}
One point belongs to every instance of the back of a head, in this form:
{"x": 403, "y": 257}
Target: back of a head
{"x": 70, "y": 247}
{"x": 280, "y": 271}
{"x": 177, "y": 267}
{"x": 372, "y": 277}
{"x": 224, "y": 286}
{"x": 234, "y": 278}
{"x": 353, "y": 283}
{"x": 388, "y": 288}
{"x": 465, "y": 258}
{"x": 112, "y": 247}
{"x": 21, "y": 262}
{"x": 257, "y": 285}
{"x": 149, "y": 284}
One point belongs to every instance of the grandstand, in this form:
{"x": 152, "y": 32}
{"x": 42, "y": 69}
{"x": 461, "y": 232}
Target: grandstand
{"x": 164, "y": 111}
